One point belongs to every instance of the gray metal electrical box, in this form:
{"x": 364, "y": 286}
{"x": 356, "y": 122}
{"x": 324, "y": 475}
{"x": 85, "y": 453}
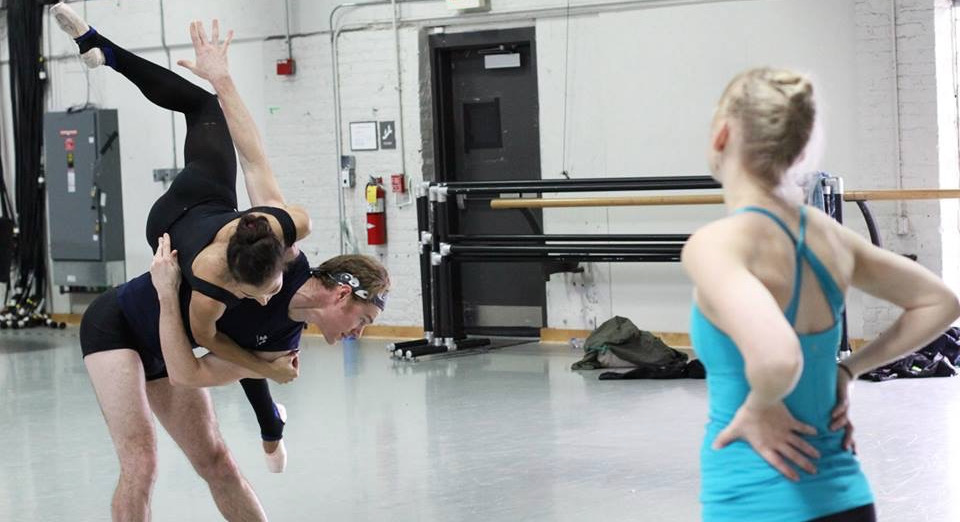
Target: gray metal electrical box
{"x": 85, "y": 200}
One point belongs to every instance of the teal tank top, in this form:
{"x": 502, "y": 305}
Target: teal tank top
{"x": 736, "y": 483}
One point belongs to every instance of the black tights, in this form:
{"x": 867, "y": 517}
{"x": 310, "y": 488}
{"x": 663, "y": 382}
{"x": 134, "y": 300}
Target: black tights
{"x": 860, "y": 514}
{"x": 258, "y": 393}
{"x": 210, "y": 173}
{"x": 208, "y": 140}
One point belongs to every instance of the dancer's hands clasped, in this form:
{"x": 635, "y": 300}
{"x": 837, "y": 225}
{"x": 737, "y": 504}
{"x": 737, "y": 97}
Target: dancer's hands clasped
{"x": 285, "y": 369}
{"x": 164, "y": 269}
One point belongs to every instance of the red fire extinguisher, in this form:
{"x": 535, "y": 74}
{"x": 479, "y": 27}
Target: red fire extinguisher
{"x": 376, "y": 212}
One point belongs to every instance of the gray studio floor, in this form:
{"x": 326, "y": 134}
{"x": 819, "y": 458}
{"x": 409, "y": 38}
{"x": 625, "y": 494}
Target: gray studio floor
{"x": 511, "y": 435}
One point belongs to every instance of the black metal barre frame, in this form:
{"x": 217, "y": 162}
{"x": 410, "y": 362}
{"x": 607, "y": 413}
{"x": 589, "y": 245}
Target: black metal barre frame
{"x": 566, "y": 249}
{"x": 423, "y": 216}
{"x": 519, "y": 238}
{"x": 440, "y": 248}
{"x": 871, "y": 224}
{"x": 537, "y": 258}
{"x": 443, "y": 319}
{"x": 680, "y": 181}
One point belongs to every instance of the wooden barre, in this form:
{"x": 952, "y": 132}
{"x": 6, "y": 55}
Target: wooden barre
{"x": 900, "y": 195}
{"x": 711, "y": 199}
{"x": 628, "y": 201}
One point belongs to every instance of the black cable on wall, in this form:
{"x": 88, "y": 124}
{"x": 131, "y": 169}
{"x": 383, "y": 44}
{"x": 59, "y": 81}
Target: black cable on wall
{"x": 28, "y": 80}
{"x": 6, "y": 233}
{"x": 7, "y": 226}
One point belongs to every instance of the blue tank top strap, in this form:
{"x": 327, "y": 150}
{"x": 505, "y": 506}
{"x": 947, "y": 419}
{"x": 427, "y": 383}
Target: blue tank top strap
{"x": 776, "y": 219}
{"x": 802, "y": 233}
{"x": 831, "y": 291}
{"x": 802, "y": 252}
{"x": 794, "y": 305}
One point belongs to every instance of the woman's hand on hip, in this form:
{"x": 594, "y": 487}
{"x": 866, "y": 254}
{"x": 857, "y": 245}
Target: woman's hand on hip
{"x": 773, "y": 432}
{"x": 840, "y": 416}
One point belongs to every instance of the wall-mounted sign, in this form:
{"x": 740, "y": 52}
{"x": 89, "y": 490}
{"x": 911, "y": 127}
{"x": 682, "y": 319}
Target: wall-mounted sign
{"x": 388, "y": 135}
{"x": 363, "y": 135}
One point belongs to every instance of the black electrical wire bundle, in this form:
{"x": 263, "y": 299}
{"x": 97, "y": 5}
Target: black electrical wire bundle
{"x": 7, "y": 227}
{"x": 25, "y": 304}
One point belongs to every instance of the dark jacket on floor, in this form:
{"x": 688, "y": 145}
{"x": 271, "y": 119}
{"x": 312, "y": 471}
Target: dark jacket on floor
{"x": 940, "y": 358}
{"x": 619, "y": 343}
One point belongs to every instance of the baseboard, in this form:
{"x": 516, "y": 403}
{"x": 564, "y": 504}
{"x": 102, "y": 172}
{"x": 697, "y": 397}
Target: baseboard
{"x": 375, "y": 331}
{"x": 674, "y": 339}
{"x": 562, "y": 336}
{"x": 71, "y": 319}
{"x": 381, "y": 331}
{"x": 547, "y": 335}
{"x": 856, "y": 344}
{"x": 385, "y": 331}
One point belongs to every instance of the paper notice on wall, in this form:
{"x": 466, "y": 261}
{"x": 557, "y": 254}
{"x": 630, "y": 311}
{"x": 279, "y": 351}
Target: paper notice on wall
{"x": 363, "y": 135}
{"x": 71, "y": 181}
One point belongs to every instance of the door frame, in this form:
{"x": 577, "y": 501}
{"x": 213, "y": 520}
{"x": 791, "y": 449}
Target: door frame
{"x": 440, "y": 47}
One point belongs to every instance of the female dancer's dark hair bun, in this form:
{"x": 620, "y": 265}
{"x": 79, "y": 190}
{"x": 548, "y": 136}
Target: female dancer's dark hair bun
{"x": 254, "y": 253}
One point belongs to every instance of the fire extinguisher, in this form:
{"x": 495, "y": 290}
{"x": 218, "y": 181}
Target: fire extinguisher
{"x": 376, "y": 212}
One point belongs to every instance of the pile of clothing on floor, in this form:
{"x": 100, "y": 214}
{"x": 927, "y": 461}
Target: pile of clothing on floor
{"x": 618, "y": 343}
{"x": 940, "y": 358}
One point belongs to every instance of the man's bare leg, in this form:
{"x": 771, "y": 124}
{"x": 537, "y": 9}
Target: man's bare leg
{"x": 118, "y": 380}
{"x": 187, "y": 415}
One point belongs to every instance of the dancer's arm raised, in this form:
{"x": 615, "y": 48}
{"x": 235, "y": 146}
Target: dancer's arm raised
{"x": 211, "y": 64}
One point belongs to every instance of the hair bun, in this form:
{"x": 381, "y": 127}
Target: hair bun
{"x": 252, "y": 229}
{"x": 777, "y": 111}
{"x": 796, "y": 88}
{"x": 254, "y": 253}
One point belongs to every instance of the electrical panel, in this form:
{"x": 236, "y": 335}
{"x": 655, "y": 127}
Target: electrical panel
{"x": 85, "y": 200}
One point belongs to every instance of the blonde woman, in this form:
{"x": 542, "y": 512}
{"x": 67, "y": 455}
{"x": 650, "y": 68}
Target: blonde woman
{"x": 770, "y": 280}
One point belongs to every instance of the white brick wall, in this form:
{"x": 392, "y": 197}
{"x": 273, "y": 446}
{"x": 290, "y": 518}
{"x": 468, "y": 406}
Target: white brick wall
{"x": 920, "y": 133}
{"x": 301, "y": 143}
{"x": 300, "y": 139}
{"x": 949, "y": 138}
{"x": 369, "y": 92}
